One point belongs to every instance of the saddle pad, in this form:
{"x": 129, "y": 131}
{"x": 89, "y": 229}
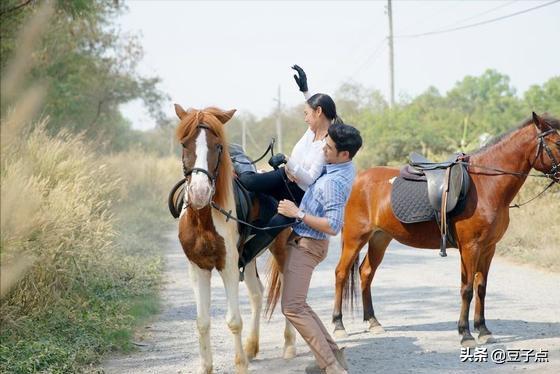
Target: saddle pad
{"x": 409, "y": 201}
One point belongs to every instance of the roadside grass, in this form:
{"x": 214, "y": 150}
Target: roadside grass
{"x": 533, "y": 235}
{"x": 90, "y": 229}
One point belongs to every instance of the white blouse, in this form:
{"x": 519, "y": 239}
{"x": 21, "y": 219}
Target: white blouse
{"x": 307, "y": 160}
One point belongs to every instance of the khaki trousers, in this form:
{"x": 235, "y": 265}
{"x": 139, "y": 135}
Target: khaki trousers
{"x": 304, "y": 254}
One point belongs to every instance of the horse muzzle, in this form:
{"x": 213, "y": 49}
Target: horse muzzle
{"x": 200, "y": 196}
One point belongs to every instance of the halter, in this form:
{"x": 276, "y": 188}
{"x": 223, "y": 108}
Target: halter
{"x": 211, "y": 177}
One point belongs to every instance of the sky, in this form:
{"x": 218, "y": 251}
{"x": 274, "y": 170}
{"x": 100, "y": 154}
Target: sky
{"x": 238, "y": 54}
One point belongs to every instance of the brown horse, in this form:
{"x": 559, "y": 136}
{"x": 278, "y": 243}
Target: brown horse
{"x": 209, "y": 239}
{"x": 497, "y": 172}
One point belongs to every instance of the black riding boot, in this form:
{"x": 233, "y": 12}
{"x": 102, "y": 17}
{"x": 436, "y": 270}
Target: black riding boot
{"x": 254, "y": 246}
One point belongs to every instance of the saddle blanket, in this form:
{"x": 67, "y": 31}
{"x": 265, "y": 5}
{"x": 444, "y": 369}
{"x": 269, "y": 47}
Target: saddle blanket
{"x": 409, "y": 200}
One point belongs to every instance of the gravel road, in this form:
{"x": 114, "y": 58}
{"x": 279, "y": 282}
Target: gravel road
{"x": 416, "y": 299}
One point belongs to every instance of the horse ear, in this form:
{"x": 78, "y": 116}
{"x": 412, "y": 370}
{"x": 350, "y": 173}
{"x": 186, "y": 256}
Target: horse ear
{"x": 539, "y": 122}
{"x": 180, "y": 111}
{"x": 223, "y": 117}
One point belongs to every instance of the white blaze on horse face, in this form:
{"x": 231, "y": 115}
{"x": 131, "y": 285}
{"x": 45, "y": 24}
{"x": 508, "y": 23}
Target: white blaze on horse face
{"x": 200, "y": 190}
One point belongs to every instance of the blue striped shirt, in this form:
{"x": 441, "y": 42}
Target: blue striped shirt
{"x": 327, "y": 198}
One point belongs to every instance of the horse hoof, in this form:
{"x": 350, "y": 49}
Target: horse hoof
{"x": 468, "y": 342}
{"x": 378, "y": 329}
{"x": 486, "y": 339}
{"x": 340, "y": 334}
{"x": 289, "y": 352}
{"x": 251, "y": 349}
{"x": 205, "y": 370}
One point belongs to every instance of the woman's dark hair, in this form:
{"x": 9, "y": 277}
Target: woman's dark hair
{"x": 327, "y": 105}
{"x": 345, "y": 138}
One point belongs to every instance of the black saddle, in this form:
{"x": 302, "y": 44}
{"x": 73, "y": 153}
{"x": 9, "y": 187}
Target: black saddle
{"x": 427, "y": 190}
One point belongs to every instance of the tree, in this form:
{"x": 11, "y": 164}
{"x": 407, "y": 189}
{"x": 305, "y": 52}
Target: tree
{"x": 89, "y": 67}
{"x": 545, "y": 98}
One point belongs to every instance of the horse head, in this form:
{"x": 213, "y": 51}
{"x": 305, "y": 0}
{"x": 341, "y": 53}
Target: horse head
{"x": 205, "y": 157}
{"x": 547, "y": 156}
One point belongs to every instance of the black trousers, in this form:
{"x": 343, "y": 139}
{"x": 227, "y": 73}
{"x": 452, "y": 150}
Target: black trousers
{"x": 276, "y": 184}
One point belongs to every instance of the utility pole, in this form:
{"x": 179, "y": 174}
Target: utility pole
{"x": 391, "y": 58}
{"x": 279, "y": 122}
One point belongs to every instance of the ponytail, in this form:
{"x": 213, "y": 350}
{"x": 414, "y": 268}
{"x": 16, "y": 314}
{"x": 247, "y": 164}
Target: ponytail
{"x": 337, "y": 121}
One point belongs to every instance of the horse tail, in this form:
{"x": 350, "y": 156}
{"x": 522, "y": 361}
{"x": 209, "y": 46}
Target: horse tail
{"x": 350, "y": 291}
{"x": 273, "y": 285}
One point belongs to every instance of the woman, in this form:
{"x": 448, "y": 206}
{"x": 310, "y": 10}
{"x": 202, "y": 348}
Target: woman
{"x": 303, "y": 167}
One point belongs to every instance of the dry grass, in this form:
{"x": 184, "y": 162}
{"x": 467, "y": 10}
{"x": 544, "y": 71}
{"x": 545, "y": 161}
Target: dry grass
{"x": 55, "y": 209}
{"x": 79, "y": 235}
{"x": 533, "y": 235}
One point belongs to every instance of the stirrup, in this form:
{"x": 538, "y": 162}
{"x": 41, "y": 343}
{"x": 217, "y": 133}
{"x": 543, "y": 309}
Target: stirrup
{"x": 442, "y": 250}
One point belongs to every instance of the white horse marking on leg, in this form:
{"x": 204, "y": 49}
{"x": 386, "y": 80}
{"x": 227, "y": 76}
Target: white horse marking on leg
{"x": 200, "y": 279}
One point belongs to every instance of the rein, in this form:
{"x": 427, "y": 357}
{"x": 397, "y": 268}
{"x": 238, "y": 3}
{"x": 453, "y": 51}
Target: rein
{"x": 230, "y": 216}
{"x": 269, "y": 149}
{"x": 550, "y": 175}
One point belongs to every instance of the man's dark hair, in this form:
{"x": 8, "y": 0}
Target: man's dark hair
{"x": 345, "y": 138}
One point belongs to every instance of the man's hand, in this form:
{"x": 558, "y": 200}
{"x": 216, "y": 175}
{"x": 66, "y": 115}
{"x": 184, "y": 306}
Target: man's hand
{"x": 301, "y": 78}
{"x": 288, "y": 208}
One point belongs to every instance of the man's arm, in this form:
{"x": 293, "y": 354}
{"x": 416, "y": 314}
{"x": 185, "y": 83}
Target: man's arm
{"x": 289, "y": 209}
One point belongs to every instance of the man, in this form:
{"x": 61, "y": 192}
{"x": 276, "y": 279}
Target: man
{"x": 320, "y": 214}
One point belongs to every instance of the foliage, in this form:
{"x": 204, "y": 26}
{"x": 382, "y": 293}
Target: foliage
{"x": 435, "y": 124}
{"x": 88, "y": 65}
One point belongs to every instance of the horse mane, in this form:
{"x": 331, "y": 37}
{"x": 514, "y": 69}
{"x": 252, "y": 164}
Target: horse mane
{"x": 187, "y": 128}
{"x": 550, "y": 120}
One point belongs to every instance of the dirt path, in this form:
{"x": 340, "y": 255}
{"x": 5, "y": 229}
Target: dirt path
{"x": 416, "y": 298}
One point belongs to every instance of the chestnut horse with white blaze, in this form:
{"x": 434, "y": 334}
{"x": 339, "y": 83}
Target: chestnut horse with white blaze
{"x": 497, "y": 172}
{"x": 209, "y": 240}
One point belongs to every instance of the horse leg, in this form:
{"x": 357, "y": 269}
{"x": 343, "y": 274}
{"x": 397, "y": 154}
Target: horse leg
{"x": 350, "y": 250}
{"x": 200, "y": 280}
{"x": 230, "y": 277}
{"x": 467, "y": 278}
{"x": 481, "y": 279}
{"x": 376, "y": 250}
{"x": 256, "y": 289}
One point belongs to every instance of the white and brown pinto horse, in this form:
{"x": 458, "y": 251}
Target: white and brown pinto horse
{"x": 209, "y": 240}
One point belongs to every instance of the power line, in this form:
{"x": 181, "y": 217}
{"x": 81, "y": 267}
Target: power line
{"x": 372, "y": 57}
{"x": 482, "y": 13}
{"x": 478, "y": 23}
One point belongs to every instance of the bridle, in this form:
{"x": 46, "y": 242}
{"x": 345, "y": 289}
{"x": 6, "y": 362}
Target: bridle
{"x": 211, "y": 177}
{"x": 554, "y": 172}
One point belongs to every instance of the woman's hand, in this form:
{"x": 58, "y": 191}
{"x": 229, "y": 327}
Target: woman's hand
{"x": 290, "y": 176}
{"x": 301, "y": 78}
{"x": 288, "y": 208}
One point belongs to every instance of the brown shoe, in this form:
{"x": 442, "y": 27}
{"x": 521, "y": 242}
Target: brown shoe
{"x": 339, "y": 354}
